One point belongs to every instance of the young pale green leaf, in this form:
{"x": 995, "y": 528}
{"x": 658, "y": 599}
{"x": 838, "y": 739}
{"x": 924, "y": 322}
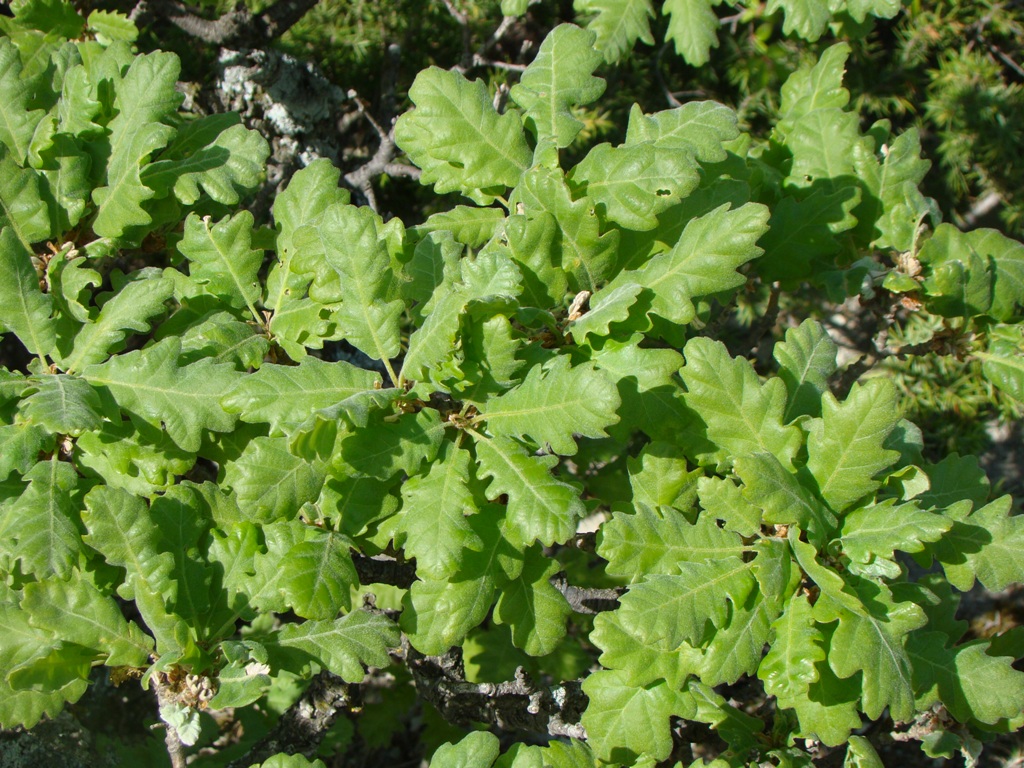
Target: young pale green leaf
{"x": 389, "y": 447}
{"x": 112, "y": 25}
{"x": 817, "y": 87}
{"x": 624, "y": 721}
{"x": 478, "y": 749}
{"x": 534, "y": 609}
{"x": 41, "y": 527}
{"x": 78, "y": 107}
{"x": 469, "y": 225}
{"x": 618, "y": 24}
{"x": 540, "y": 507}
{"x": 317, "y": 575}
{"x": 693, "y": 29}
{"x": 184, "y": 400}
{"x": 742, "y": 415}
{"x": 534, "y": 243}
{"x": 145, "y": 96}
{"x": 650, "y": 541}
{"x": 791, "y": 664}
{"x": 807, "y": 18}
{"x": 225, "y": 339}
{"x": 973, "y": 685}
{"x": 70, "y": 281}
{"x": 76, "y": 612}
{"x": 341, "y": 645}
{"x": 703, "y": 261}
{"x": 987, "y": 545}
{"x": 346, "y": 250}
{"x": 434, "y": 510}
{"x": 284, "y": 395}
{"x": 829, "y": 711}
{"x": 222, "y": 259}
{"x": 270, "y": 482}
{"x": 606, "y": 307}
{"x": 558, "y": 79}
{"x": 437, "y": 615}
{"x": 133, "y": 308}
{"x": 230, "y": 160}
{"x": 17, "y": 121}
{"x": 783, "y": 500}
{"x": 635, "y": 182}
{"x": 697, "y": 126}
{"x": 845, "y": 446}
{"x": 807, "y": 358}
{"x": 643, "y": 654}
{"x": 459, "y": 140}
{"x": 1003, "y": 362}
{"x": 24, "y": 308}
{"x": 555, "y": 402}
{"x": 63, "y": 405}
{"x": 490, "y": 365}
{"x": 678, "y": 607}
{"x": 872, "y": 534}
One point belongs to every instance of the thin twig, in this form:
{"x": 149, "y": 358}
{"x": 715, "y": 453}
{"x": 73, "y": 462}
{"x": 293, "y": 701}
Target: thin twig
{"x": 237, "y": 28}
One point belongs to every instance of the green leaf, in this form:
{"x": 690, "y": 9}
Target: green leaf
{"x": 388, "y": 447}
{"x": 555, "y": 402}
{"x": 459, "y": 140}
{"x": 469, "y": 225}
{"x": 270, "y": 482}
{"x": 658, "y": 542}
{"x": 742, "y": 415}
{"x": 700, "y": 127}
{"x": 342, "y": 645}
{"x": 791, "y": 664}
{"x": 42, "y": 526}
{"x": 354, "y": 503}
{"x": 207, "y": 157}
{"x": 580, "y": 249}
{"x": 183, "y": 400}
{"x": 476, "y": 750}
{"x": 845, "y": 447}
{"x": 784, "y": 501}
{"x": 434, "y": 510}
{"x": 540, "y": 507}
{"x": 76, "y": 612}
{"x": 63, "y": 405}
{"x": 635, "y": 182}
{"x": 20, "y": 444}
{"x": 534, "y": 609}
{"x": 317, "y": 575}
{"x": 133, "y": 308}
{"x": 693, "y": 28}
{"x": 284, "y": 395}
{"x": 870, "y": 640}
{"x": 145, "y": 96}
{"x": 736, "y": 649}
{"x": 17, "y": 121}
{"x": 807, "y": 358}
{"x": 644, "y": 654}
{"x": 23, "y": 209}
{"x": 437, "y": 615}
{"x": 972, "y": 684}
{"x": 624, "y": 721}
{"x": 678, "y": 607}
{"x": 658, "y": 477}
{"x": 807, "y": 18}
{"x": 558, "y": 79}
{"x": 24, "y": 308}
{"x": 142, "y": 463}
{"x": 112, "y": 25}
{"x": 987, "y": 545}
{"x": 871, "y": 534}
{"x": 618, "y": 24}
{"x": 702, "y": 262}
{"x": 346, "y": 249}
{"x": 222, "y": 259}
{"x": 973, "y": 273}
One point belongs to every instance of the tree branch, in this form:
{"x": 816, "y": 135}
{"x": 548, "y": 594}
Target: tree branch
{"x": 518, "y": 704}
{"x": 303, "y": 726}
{"x": 235, "y": 29}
